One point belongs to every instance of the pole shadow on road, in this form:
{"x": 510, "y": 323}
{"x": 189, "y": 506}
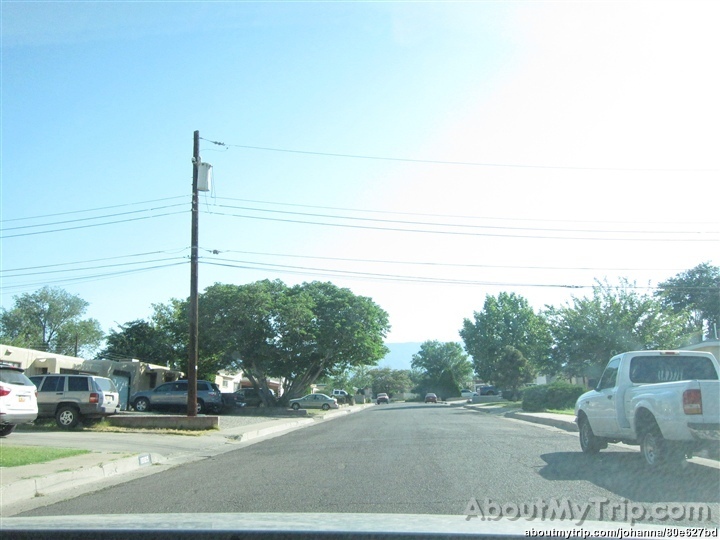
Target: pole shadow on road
{"x": 625, "y": 474}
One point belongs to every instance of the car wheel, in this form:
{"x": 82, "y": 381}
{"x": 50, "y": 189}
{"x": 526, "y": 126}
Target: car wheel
{"x": 658, "y": 452}
{"x": 141, "y": 404}
{"x": 67, "y": 417}
{"x": 200, "y": 406}
{"x": 325, "y": 407}
{"x": 6, "y": 430}
{"x": 296, "y": 406}
{"x": 589, "y": 443}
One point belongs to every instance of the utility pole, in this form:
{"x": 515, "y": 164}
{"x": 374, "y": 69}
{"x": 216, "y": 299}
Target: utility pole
{"x": 193, "y": 354}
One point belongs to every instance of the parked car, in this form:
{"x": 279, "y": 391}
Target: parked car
{"x": 72, "y": 399}
{"x": 314, "y": 401}
{"x": 431, "y": 398}
{"x": 382, "y": 398}
{"x": 488, "y": 390}
{"x": 18, "y": 399}
{"x": 248, "y": 397}
{"x": 468, "y": 393}
{"x": 175, "y": 394}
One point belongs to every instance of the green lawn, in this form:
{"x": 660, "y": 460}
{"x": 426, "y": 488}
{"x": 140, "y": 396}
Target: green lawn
{"x": 14, "y": 456}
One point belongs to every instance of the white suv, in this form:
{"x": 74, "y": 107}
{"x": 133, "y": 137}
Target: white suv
{"x": 18, "y": 399}
{"x": 72, "y": 399}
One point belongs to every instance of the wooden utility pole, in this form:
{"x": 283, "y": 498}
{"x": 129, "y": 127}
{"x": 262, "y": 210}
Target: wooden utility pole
{"x": 193, "y": 354}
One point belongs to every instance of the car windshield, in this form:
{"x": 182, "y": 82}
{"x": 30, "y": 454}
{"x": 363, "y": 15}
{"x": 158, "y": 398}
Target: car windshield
{"x": 305, "y": 248}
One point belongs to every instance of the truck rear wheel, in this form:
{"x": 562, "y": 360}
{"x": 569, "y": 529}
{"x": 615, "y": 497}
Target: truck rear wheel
{"x": 658, "y": 452}
{"x": 589, "y": 443}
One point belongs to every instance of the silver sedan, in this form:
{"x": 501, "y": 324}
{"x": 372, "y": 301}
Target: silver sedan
{"x": 314, "y": 401}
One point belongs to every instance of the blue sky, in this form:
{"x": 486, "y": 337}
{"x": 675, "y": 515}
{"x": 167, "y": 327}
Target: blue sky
{"x": 534, "y": 146}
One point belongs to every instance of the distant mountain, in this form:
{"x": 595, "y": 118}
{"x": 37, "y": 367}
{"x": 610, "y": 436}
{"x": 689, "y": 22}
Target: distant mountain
{"x": 400, "y": 355}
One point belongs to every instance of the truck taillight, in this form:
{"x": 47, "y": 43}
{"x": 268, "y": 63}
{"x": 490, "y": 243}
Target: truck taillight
{"x": 692, "y": 402}
{"x": 94, "y": 397}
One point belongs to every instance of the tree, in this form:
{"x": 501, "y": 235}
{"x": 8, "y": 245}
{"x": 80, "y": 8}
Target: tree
{"x": 445, "y": 368}
{"x": 589, "y": 331}
{"x": 268, "y": 329}
{"x": 140, "y": 339}
{"x": 696, "y": 293}
{"x": 50, "y": 319}
{"x": 390, "y": 381}
{"x": 513, "y": 370}
{"x": 506, "y": 321}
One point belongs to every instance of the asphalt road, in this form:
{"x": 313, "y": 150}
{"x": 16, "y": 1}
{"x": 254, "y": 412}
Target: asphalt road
{"x": 414, "y": 459}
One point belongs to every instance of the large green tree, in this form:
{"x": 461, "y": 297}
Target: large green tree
{"x": 506, "y": 321}
{"x": 695, "y": 293}
{"x": 142, "y": 340}
{"x": 267, "y": 329}
{"x": 51, "y": 319}
{"x": 588, "y": 331}
{"x": 445, "y": 368}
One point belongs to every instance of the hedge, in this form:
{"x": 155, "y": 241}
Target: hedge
{"x": 558, "y": 395}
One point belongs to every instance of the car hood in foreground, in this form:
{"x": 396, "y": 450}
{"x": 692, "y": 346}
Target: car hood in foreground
{"x": 273, "y": 525}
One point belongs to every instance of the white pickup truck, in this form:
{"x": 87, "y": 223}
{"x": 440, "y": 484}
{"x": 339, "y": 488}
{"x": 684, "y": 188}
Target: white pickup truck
{"x": 668, "y": 402}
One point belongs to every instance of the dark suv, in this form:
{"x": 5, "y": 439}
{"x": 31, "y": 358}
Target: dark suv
{"x": 75, "y": 398}
{"x": 175, "y": 394}
{"x": 248, "y": 397}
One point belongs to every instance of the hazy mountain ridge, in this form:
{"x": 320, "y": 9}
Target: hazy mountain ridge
{"x": 400, "y": 355}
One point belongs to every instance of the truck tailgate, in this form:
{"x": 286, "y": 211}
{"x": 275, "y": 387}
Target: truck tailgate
{"x": 710, "y": 391}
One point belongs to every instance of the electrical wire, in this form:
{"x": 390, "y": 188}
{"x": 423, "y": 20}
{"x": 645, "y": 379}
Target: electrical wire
{"x": 455, "y": 216}
{"x": 441, "y": 162}
{"x": 94, "y": 260}
{"x": 91, "y": 225}
{"x": 93, "y": 209}
{"x": 465, "y": 233}
{"x": 349, "y": 274}
{"x": 116, "y": 265}
{"x": 90, "y": 278}
{"x": 91, "y": 218}
{"x": 440, "y": 264}
{"x": 425, "y": 223}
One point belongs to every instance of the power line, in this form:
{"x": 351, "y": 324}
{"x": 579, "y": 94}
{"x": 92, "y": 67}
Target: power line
{"x": 351, "y": 274}
{"x": 463, "y": 233}
{"x": 94, "y": 260}
{"x": 425, "y": 223}
{"x": 92, "y": 209}
{"x": 91, "y": 218}
{"x": 92, "y": 225}
{"x": 439, "y": 264}
{"x": 84, "y": 279}
{"x": 116, "y": 265}
{"x": 455, "y": 216}
{"x": 441, "y": 162}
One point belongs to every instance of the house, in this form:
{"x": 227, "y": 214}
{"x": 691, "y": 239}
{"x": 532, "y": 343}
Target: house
{"x": 129, "y": 375}
{"x": 709, "y": 345}
{"x": 229, "y": 382}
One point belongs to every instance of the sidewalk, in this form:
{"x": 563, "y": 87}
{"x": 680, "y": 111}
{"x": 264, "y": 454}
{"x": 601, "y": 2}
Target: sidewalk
{"x": 140, "y": 453}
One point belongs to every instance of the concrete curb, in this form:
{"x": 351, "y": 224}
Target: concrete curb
{"x": 567, "y": 425}
{"x": 30, "y": 488}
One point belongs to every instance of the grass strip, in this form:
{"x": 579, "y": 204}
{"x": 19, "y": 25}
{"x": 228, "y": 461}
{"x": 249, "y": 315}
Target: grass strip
{"x": 16, "y": 456}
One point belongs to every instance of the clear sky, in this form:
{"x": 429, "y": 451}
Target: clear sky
{"x": 530, "y": 147}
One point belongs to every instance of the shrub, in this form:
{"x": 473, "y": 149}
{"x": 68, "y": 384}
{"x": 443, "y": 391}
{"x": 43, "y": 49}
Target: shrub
{"x": 534, "y": 398}
{"x": 558, "y": 395}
